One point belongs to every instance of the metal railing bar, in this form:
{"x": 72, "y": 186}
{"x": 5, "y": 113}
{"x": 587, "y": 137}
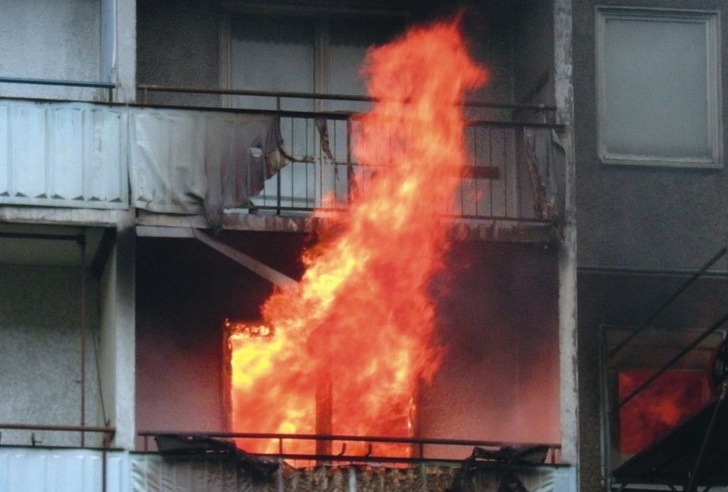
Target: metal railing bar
{"x": 330, "y": 97}
{"x": 369, "y": 457}
{"x": 347, "y": 115}
{"x": 29, "y": 235}
{"x": 59, "y": 428}
{"x": 353, "y": 458}
{"x": 67, "y": 83}
{"x": 480, "y": 218}
{"x": 351, "y": 438}
{"x": 668, "y": 301}
{"x": 260, "y": 93}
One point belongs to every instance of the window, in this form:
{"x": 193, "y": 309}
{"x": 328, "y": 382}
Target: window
{"x": 657, "y": 87}
{"x": 303, "y": 53}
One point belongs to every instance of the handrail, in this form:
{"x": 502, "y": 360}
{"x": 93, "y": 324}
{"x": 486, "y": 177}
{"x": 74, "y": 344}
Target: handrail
{"x": 68, "y": 83}
{"x": 108, "y": 431}
{"x": 344, "y": 437}
{"x": 60, "y": 428}
{"x": 420, "y": 443}
{"x": 145, "y": 88}
{"x": 64, "y": 83}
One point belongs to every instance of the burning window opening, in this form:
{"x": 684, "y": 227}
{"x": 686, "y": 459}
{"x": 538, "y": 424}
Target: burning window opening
{"x": 344, "y": 350}
{"x": 248, "y": 346}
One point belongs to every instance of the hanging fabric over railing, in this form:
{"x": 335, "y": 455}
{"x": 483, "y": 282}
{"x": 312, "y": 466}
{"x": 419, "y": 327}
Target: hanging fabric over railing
{"x": 188, "y": 162}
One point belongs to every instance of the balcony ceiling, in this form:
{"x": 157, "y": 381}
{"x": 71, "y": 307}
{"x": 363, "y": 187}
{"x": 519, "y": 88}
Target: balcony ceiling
{"x": 46, "y": 245}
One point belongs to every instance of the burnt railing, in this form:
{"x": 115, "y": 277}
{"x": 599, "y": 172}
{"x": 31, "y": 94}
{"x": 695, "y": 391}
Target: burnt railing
{"x": 423, "y": 450}
{"x": 514, "y": 171}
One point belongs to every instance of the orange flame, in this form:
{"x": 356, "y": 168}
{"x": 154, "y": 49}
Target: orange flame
{"x": 360, "y": 320}
{"x": 667, "y": 402}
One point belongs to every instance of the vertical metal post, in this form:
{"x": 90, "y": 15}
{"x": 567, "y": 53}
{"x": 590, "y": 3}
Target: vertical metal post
{"x": 324, "y": 410}
{"x": 604, "y": 408}
{"x": 82, "y": 247}
{"x": 280, "y": 479}
{"x": 278, "y": 174}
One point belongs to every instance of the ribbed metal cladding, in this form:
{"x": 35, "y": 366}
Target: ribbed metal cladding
{"x": 63, "y": 155}
{"x": 152, "y": 473}
{"x": 63, "y": 470}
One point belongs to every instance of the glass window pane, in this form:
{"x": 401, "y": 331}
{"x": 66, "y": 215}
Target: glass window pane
{"x": 657, "y": 97}
{"x": 349, "y": 40}
{"x": 272, "y": 54}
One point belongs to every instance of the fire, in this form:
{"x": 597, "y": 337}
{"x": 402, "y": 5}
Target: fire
{"x": 667, "y": 402}
{"x": 355, "y": 337}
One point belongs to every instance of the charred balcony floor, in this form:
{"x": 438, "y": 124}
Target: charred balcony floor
{"x": 163, "y": 225}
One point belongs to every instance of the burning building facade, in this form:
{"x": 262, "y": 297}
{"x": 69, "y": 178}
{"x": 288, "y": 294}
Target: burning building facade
{"x": 201, "y": 190}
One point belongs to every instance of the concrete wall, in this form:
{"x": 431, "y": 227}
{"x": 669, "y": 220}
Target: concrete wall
{"x": 40, "y": 352}
{"x": 497, "y": 314}
{"x": 533, "y": 58}
{"x": 179, "y": 45}
{"x": 78, "y": 40}
{"x": 45, "y": 39}
{"x": 641, "y": 217}
{"x": 636, "y": 220}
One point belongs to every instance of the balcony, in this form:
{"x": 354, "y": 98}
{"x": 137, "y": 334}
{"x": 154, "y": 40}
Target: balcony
{"x": 260, "y": 168}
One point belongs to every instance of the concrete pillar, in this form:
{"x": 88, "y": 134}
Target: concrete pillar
{"x": 118, "y": 47}
{"x": 564, "y": 94}
{"x": 118, "y": 337}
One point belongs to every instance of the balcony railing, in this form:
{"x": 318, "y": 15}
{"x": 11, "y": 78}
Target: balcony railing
{"x": 290, "y": 446}
{"x": 266, "y": 153}
{"x": 514, "y": 170}
{"x": 60, "y": 435}
{"x": 74, "y": 89}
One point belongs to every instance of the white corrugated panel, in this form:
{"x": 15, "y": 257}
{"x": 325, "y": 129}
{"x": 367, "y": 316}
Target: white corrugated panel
{"x": 63, "y": 155}
{"x": 154, "y": 473}
{"x": 63, "y": 470}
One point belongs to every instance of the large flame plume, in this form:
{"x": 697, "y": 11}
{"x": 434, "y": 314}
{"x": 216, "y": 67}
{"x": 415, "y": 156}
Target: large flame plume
{"x": 359, "y": 327}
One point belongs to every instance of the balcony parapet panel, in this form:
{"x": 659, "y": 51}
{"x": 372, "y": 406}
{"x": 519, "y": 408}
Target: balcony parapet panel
{"x": 60, "y": 154}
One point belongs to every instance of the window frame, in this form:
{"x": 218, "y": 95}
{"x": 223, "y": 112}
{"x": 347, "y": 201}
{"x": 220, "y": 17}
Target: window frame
{"x": 711, "y": 22}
